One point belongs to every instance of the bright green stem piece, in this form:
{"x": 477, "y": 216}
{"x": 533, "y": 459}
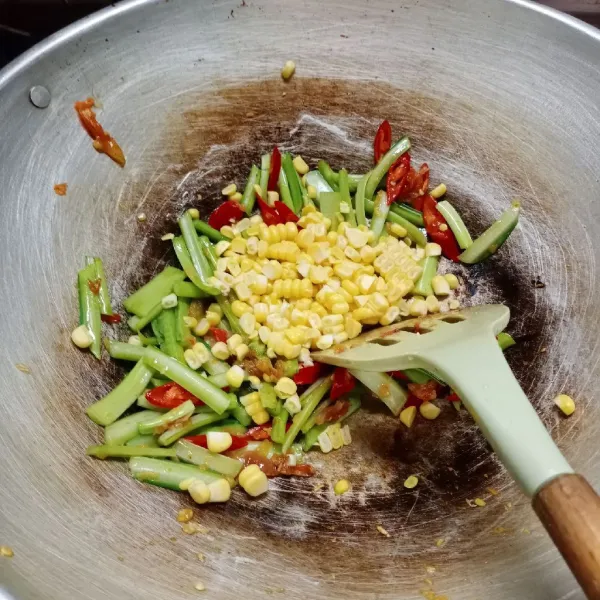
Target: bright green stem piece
{"x": 409, "y": 213}
{"x": 329, "y": 175}
{"x": 241, "y": 416}
{"x": 249, "y": 195}
{"x": 491, "y": 239}
{"x": 381, "y": 210}
{"x": 147, "y": 441}
{"x": 456, "y": 224}
{"x": 317, "y": 180}
{"x": 265, "y": 168}
{"x": 196, "y": 422}
{"x": 383, "y": 166}
{"x": 168, "y": 474}
{"x": 89, "y": 308}
{"x": 184, "y": 410}
{"x": 194, "y": 383}
{"x": 389, "y": 391}
{"x": 103, "y": 294}
{"x": 205, "y": 229}
{"x": 125, "y": 429}
{"x": 284, "y": 190}
{"x": 345, "y": 194}
{"x": 186, "y": 289}
{"x": 359, "y": 200}
{"x": 278, "y": 429}
{"x": 169, "y": 328}
{"x": 413, "y": 232}
{"x": 140, "y": 303}
{"x": 423, "y": 285}
{"x": 505, "y": 340}
{"x": 293, "y": 181}
{"x": 129, "y": 451}
{"x": 113, "y": 405}
{"x": 124, "y": 351}
{"x": 309, "y": 401}
{"x": 138, "y": 323}
{"x": 197, "y": 455}
{"x": 233, "y": 321}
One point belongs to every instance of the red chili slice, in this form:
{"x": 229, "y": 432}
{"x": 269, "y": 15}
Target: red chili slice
{"x": 220, "y": 335}
{"x": 308, "y": 375}
{"x": 424, "y": 391}
{"x": 170, "y": 395}
{"x": 269, "y": 214}
{"x": 225, "y": 214}
{"x": 274, "y": 169}
{"x": 433, "y": 224}
{"x": 383, "y": 140}
{"x": 285, "y": 212}
{"x": 343, "y": 382}
{"x": 396, "y": 178}
{"x": 112, "y": 319}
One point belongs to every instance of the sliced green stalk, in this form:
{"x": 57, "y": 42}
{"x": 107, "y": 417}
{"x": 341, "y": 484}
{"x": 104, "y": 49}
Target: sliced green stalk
{"x": 170, "y": 333}
{"x": 140, "y": 303}
{"x": 220, "y": 380}
{"x": 103, "y": 294}
{"x": 345, "y": 194}
{"x": 491, "y": 239}
{"x": 183, "y": 334}
{"x": 279, "y": 424}
{"x": 233, "y": 321}
{"x": 241, "y": 416}
{"x": 309, "y": 401}
{"x": 186, "y": 289}
{"x": 328, "y": 174}
{"x": 249, "y": 195}
{"x": 293, "y": 181}
{"x": 113, "y": 405}
{"x": 184, "y": 410}
{"x": 171, "y": 435}
{"x": 194, "y": 383}
{"x": 146, "y": 340}
{"x": 168, "y": 474}
{"x": 505, "y": 340}
{"x": 456, "y": 224}
{"x": 89, "y": 308}
{"x": 231, "y": 426}
{"x": 185, "y": 260}
{"x": 317, "y": 180}
{"x": 383, "y": 166}
{"x": 418, "y": 375}
{"x": 312, "y": 434}
{"x": 408, "y": 212}
{"x": 138, "y": 323}
{"x": 265, "y": 168}
{"x": 129, "y": 451}
{"x": 125, "y": 429}
{"x": 205, "y": 229}
{"x": 389, "y": 391}
{"x": 214, "y": 366}
{"x": 423, "y": 285}
{"x": 147, "y": 441}
{"x": 269, "y": 400}
{"x": 329, "y": 204}
{"x": 311, "y": 421}
{"x": 201, "y": 264}
{"x": 285, "y": 193}
{"x": 380, "y": 214}
{"x": 197, "y": 455}
{"x": 209, "y": 252}
{"x": 359, "y": 200}
{"x": 413, "y": 232}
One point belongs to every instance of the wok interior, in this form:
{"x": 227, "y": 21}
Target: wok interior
{"x": 83, "y": 528}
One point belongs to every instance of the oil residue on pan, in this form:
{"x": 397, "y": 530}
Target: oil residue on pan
{"x": 214, "y": 140}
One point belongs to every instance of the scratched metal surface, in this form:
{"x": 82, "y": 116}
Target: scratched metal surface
{"x": 501, "y": 100}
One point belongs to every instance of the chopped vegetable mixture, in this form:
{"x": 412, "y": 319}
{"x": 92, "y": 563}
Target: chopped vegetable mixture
{"x": 223, "y": 389}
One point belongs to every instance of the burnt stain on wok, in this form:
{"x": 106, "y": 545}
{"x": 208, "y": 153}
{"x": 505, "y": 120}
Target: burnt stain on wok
{"x": 214, "y": 139}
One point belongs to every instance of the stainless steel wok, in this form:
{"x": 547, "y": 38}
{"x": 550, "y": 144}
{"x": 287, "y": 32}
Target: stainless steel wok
{"x": 500, "y": 98}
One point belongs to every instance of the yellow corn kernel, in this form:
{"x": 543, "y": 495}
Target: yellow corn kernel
{"x": 239, "y": 308}
{"x": 220, "y": 351}
{"x": 295, "y": 335}
{"x": 352, "y": 254}
{"x": 453, "y": 304}
{"x": 234, "y": 341}
{"x": 391, "y": 314}
{"x": 325, "y": 342}
{"x": 238, "y": 245}
{"x": 341, "y": 487}
{"x": 261, "y": 310}
{"x": 261, "y": 417}
{"x": 202, "y": 327}
{"x": 340, "y": 308}
{"x": 228, "y": 190}
{"x": 312, "y": 192}
{"x": 253, "y": 480}
{"x": 289, "y": 68}
{"x": 433, "y": 304}
{"x": 248, "y": 322}
{"x": 432, "y": 249}
{"x": 452, "y": 280}
{"x": 417, "y": 308}
{"x": 352, "y": 328}
{"x": 438, "y": 191}
{"x": 440, "y": 285}
{"x": 318, "y": 308}
{"x": 300, "y": 165}
{"x": 213, "y": 318}
{"x": 411, "y": 482}
{"x": 565, "y": 403}
{"x": 397, "y": 230}
{"x": 242, "y": 291}
{"x": 242, "y": 351}
{"x": 379, "y": 302}
{"x": 308, "y": 209}
{"x": 362, "y": 314}
{"x": 291, "y": 230}
{"x": 272, "y": 197}
{"x": 479, "y": 502}
{"x": 366, "y": 283}
{"x": 429, "y": 410}
{"x": 350, "y": 287}
{"x": 332, "y": 237}
{"x": 407, "y": 416}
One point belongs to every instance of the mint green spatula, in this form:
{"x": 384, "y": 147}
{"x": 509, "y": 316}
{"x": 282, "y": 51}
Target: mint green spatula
{"x": 460, "y": 349}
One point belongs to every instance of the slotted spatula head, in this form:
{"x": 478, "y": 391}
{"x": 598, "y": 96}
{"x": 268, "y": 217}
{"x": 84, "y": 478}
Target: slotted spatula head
{"x": 460, "y": 348}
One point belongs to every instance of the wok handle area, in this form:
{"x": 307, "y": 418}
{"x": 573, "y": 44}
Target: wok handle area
{"x": 569, "y": 509}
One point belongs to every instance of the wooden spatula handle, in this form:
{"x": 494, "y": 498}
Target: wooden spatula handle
{"x": 569, "y": 509}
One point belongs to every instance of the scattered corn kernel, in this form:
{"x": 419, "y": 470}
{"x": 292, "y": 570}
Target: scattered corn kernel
{"x": 234, "y": 341}
{"x": 397, "y": 230}
{"x": 141, "y": 217}
{"x": 194, "y": 213}
{"x": 199, "y": 491}
{"x": 479, "y": 502}
{"x": 292, "y": 405}
{"x": 285, "y": 387}
{"x": 341, "y": 487}
{"x": 212, "y": 318}
{"x": 288, "y": 69}
{"x": 312, "y": 192}
{"x": 220, "y": 351}
{"x": 440, "y": 285}
{"x": 6, "y": 551}
{"x": 230, "y": 189}
{"x": 253, "y": 480}
{"x": 192, "y": 360}
{"x": 167, "y": 237}
{"x": 220, "y": 490}
{"x": 237, "y": 197}
{"x": 185, "y": 515}
{"x": 202, "y": 352}
{"x": 199, "y": 586}
{"x": 241, "y": 351}
{"x": 452, "y": 280}
{"x": 300, "y": 165}
{"x": 248, "y": 323}
{"x": 438, "y": 191}
{"x": 235, "y": 376}
{"x": 433, "y": 249}
{"x": 407, "y": 416}
{"x": 82, "y": 337}
{"x": 169, "y": 301}
{"x": 565, "y": 403}
{"x": 429, "y": 410}
{"x": 411, "y": 482}
{"x": 218, "y": 441}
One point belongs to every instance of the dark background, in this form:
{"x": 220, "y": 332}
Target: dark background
{"x": 26, "y": 22}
